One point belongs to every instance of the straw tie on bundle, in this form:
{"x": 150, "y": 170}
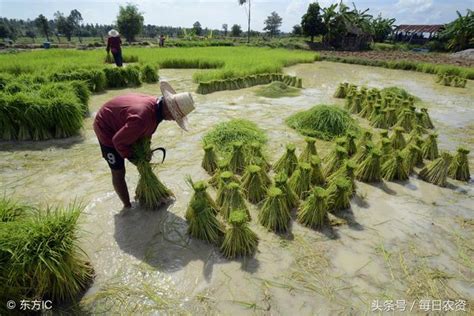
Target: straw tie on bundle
{"x": 239, "y": 239}
{"x": 237, "y": 159}
{"x": 226, "y": 177}
{"x": 412, "y": 157}
{"x": 253, "y": 184}
{"x": 256, "y": 156}
{"x": 200, "y": 198}
{"x": 300, "y": 181}
{"x": 397, "y": 138}
{"x": 437, "y": 171}
{"x": 309, "y": 150}
{"x": 459, "y": 167}
{"x": 395, "y": 168}
{"x": 339, "y": 194}
{"x": 275, "y": 214}
{"x": 334, "y": 160}
{"x": 222, "y": 166}
{"x": 288, "y": 162}
{"x": 341, "y": 90}
{"x": 430, "y": 147}
{"x": 314, "y": 211}
{"x": 209, "y": 162}
{"x": 233, "y": 200}
{"x": 370, "y": 170}
{"x": 317, "y": 176}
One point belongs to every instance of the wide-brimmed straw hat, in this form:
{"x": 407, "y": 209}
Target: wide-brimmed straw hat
{"x": 113, "y": 33}
{"x": 178, "y": 104}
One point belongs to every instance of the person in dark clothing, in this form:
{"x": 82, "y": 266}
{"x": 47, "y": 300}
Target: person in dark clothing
{"x": 162, "y": 40}
{"x": 114, "y": 45}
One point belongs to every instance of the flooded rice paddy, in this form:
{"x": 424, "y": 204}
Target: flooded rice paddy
{"x": 399, "y": 241}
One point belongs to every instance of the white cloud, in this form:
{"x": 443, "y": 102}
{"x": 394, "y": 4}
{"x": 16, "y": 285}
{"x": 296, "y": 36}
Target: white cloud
{"x": 415, "y": 6}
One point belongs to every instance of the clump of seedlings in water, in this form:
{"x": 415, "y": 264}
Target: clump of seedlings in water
{"x": 412, "y": 156}
{"x": 288, "y": 162}
{"x": 459, "y": 167}
{"x": 395, "y": 168}
{"x": 275, "y": 214}
{"x": 239, "y": 239}
{"x": 370, "y": 170}
{"x": 222, "y": 166}
{"x": 150, "y": 191}
{"x": 309, "y": 150}
{"x": 397, "y": 138}
{"x": 430, "y": 147}
{"x": 253, "y": 185}
{"x": 300, "y": 181}
{"x": 256, "y": 156}
{"x": 237, "y": 158}
{"x": 291, "y": 199}
{"x": 233, "y": 200}
{"x": 209, "y": 162}
{"x": 225, "y": 178}
{"x": 364, "y": 153}
{"x": 436, "y": 172}
{"x": 334, "y": 160}
{"x": 341, "y": 90}
{"x": 201, "y": 215}
{"x": 339, "y": 194}
{"x": 317, "y": 176}
{"x": 314, "y": 211}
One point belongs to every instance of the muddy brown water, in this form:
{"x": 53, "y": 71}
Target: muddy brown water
{"x": 399, "y": 241}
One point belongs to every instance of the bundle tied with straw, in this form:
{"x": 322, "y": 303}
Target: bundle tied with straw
{"x": 225, "y": 178}
{"x": 350, "y": 144}
{"x": 341, "y": 90}
{"x": 317, "y": 176}
{"x": 288, "y": 162}
{"x": 385, "y": 149}
{"x": 356, "y": 105}
{"x": 407, "y": 120}
{"x": 314, "y": 211}
{"x": 339, "y": 194}
{"x": 222, "y": 166}
{"x": 395, "y": 168}
{"x": 426, "y": 119}
{"x": 436, "y": 172}
{"x": 256, "y": 156}
{"x": 417, "y": 131}
{"x": 275, "y": 215}
{"x": 309, "y": 150}
{"x": 291, "y": 199}
{"x": 363, "y": 153}
{"x": 253, "y": 184}
{"x": 365, "y": 138}
{"x": 347, "y": 171}
{"x": 239, "y": 239}
{"x": 334, "y": 160}
{"x": 150, "y": 192}
{"x": 233, "y": 200}
{"x": 209, "y": 162}
{"x": 237, "y": 159}
{"x": 300, "y": 181}
{"x": 412, "y": 157}
{"x": 390, "y": 116}
{"x": 201, "y": 215}
{"x": 459, "y": 167}
{"x": 397, "y": 138}
{"x": 370, "y": 170}
{"x": 430, "y": 147}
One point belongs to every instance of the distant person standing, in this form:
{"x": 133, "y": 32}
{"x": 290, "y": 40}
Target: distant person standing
{"x": 114, "y": 44}
{"x": 162, "y": 40}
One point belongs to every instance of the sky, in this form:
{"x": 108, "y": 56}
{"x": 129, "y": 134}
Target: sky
{"x": 214, "y": 13}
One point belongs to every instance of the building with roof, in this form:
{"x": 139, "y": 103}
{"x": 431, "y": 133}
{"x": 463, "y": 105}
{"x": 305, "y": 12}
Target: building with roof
{"x": 416, "y": 33}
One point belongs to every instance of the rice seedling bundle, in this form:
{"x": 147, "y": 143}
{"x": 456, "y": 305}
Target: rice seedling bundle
{"x": 397, "y": 138}
{"x": 95, "y": 78}
{"x": 370, "y": 170}
{"x": 239, "y": 239}
{"x": 222, "y": 165}
{"x": 233, "y": 199}
{"x": 349, "y": 101}
{"x": 436, "y": 172}
{"x": 150, "y": 191}
{"x": 412, "y": 156}
{"x": 309, "y": 150}
{"x": 383, "y": 134}
{"x": 365, "y": 138}
{"x": 459, "y": 167}
{"x": 356, "y": 105}
{"x": 367, "y": 108}
{"x": 390, "y": 116}
{"x": 132, "y": 75}
{"x": 201, "y": 216}
{"x": 363, "y": 153}
{"x": 334, "y": 160}
{"x": 275, "y": 215}
{"x": 426, "y": 119}
{"x": 209, "y": 162}
{"x": 317, "y": 176}
{"x": 281, "y": 182}
{"x": 339, "y": 194}
{"x": 67, "y": 114}
{"x": 341, "y": 90}
{"x": 430, "y": 147}
{"x": 256, "y": 157}
{"x": 406, "y": 120}
{"x": 299, "y": 83}
{"x": 225, "y": 178}
{"x": 416, "y": 132}
{"x": 376, "y": 113}
{"x": 15, "y": 87}
{"x": 83, "y": 93}
{"x": 41, "y": 257}
{"x": 380, "y": 120}
{"x": 314, "y": 211}
{"x": 149, "y": 74}
{"x": 237, "y": 158}
{"x": 253, "y": 184}
{"x": 288, "y": 162}
{"x": 395, "y": 168}
{"x": 300, "y": 181}
{"x": 277, "y": 89}
{"x": 8, "y": 129}
{"x": 385, "y": 149}
{"x": 350, "y": 144}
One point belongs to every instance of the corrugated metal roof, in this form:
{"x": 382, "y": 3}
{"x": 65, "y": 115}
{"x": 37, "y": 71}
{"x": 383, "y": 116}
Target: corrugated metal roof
{"x": 419, "y": 28}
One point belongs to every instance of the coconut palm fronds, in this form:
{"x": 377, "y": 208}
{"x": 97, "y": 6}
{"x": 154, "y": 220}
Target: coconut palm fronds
{"x": 288, "y": 162}
{"x": 430, "y": 147}
{"x": 239, "y": 239}
{"x": 436, "y": 172}
{"x": 426, "y": 119}
{"x": 209, "y": 162}
{"x": 339, "y": 194}
{"x": 317, "y": 176}
{"x": 253, "y": 184}
{"x": 233, "y": 200}
{"x": 334, "y": 160}
{"x": 237, "y": 159}
{"x": 459, "y": 167}
{"x": 370, "y": 170}
{"x": 300, "y": 181}
{"x": 397, "y": 138}
{"x": 309, "y": 150}
{"x": 275, "y": 215}
{"x": 314, "y": 211}
{"x": 341, "y": 90}
{"x": 395, "y": 168}
{"x": 281, "y": 182}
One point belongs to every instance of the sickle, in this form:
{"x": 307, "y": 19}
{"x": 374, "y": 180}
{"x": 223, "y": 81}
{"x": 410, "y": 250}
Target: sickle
{"x": 163, "y": 150}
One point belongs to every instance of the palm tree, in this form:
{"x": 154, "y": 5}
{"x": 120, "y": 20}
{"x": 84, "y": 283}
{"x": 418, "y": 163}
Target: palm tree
{"x": 460, "y": 32}
{"x": 242, "y": 2}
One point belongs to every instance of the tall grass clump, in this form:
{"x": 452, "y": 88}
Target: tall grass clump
{"x": 275, "y": 215}
{"x": 239, "y": 239}
{"x": 459, "y": 167}
{"x": 11, "y": 210}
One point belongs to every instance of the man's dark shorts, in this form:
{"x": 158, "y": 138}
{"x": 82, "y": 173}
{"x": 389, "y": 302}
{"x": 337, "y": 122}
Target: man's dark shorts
{"x": 113, "y": 158}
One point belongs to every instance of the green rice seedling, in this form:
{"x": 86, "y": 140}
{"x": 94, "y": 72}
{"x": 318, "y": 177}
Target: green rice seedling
{"x": 132, "y": 75}
{"x": 322, "y": 121}
{"x": 237, "y": 158}
{"x": 370, "y": 170}
{"x": 436, "y": 172}
{"x": 115, "y": 77}
{"x": 380, "y": 120}
{"x": 201, "y": 216}
{"x": 383, "y": 134}
{"x": 239, "y": 239}
{"x": 256, "y": 157}
{"x": 11, "y": 211}
{"x": 225, "y": 178}
{"x": 309, "y": 150}
{"x": 151, "y": 193}
{"x": 233, "y": 200}
{"x": 317, "y": 176}
{"x": 334, "y": 160}
{"x": 299, "y": 83}
{"x": 281, "y": 182}
{"x": 209, "y": 162}
{"x": 349, "y": 101}
{"x": 407, "y": 120}
{"x": 300, "y": 181}
{"x": 365, "y": 138}
{"x": 67, "y": 115}
{"x": 253, "y": 185}
{"x": 288, "y": 162}
{"x": 314, "y": 211}
{"x": 8, "y": 130}
{"x": 275, "y": 215}
{"x": 15, "y": 87}
{"x": 41, "y": 257}
{"x": 376, "y": 113}
{"x": 412, "y": 156}
{"x": 356, "y": 105}
{"x": 397, "y": 138}
{"x": 222, "y": 165}
{"x": 363, "y": 153}
{"x": 339, "y": 194}
{"x": 367, "y": 107}
{"x": 395, "y": 168}
{"x": 277, "y": 89}
{"x": 39, "y": 120}
{"x": 341, "y": 90}
{"x": 447, "y": 80}
{"x": 347, "y": 170}
{"x": 416, "y": 132}
{"x": 149, "y": 74}
{"x": 425, "y": 119}
{"x": 82, "y": 91}
{"x": 430, "y": 147}
{"x": 459, "y": 167}
{"x": 390, "y": 117}
{"x": 350, "y": 143}
{"x": 385, "y": 149}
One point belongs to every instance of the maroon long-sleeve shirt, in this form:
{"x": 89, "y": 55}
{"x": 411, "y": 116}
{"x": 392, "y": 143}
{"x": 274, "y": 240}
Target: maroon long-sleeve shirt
{"x": 125, "y": 119}
{"x": 113, "y": 44}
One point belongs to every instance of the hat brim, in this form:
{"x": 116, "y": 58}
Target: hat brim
{"x": 170, "y": 102}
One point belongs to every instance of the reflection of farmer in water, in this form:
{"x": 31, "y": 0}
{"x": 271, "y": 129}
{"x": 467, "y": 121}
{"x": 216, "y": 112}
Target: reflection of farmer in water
{"x": 126, "y": 118}
{"x": 114, "y": 45}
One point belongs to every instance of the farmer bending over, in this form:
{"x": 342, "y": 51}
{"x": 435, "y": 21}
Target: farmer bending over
{"x": 125, "y": 119}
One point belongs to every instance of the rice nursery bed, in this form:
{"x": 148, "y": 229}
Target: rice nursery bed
{"x": 269, "y": 219}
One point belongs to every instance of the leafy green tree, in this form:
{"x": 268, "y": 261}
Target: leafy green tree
{"x": 381, "y": 28}
{"x": 63, "y": 25}
{"x": 225, "y": 27}
{"x": 236, "y": 30}
{"x": 244, "y": 2}
{"x": 297, "y": 30}
{"x": 273, "y": 23}
{"x": 311, "y": 22}
{"x": 75, "y": 19}
{"x": 197, "y": 28}
{"x": 31, "y": 34}
{"x": 5, "y": 30}
{"x": 459, "y": 34}
{"x": 43, "y": 25}
{"x": 130, "y": 21}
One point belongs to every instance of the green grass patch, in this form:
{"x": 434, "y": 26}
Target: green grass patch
{"x": 277, "y": 89}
